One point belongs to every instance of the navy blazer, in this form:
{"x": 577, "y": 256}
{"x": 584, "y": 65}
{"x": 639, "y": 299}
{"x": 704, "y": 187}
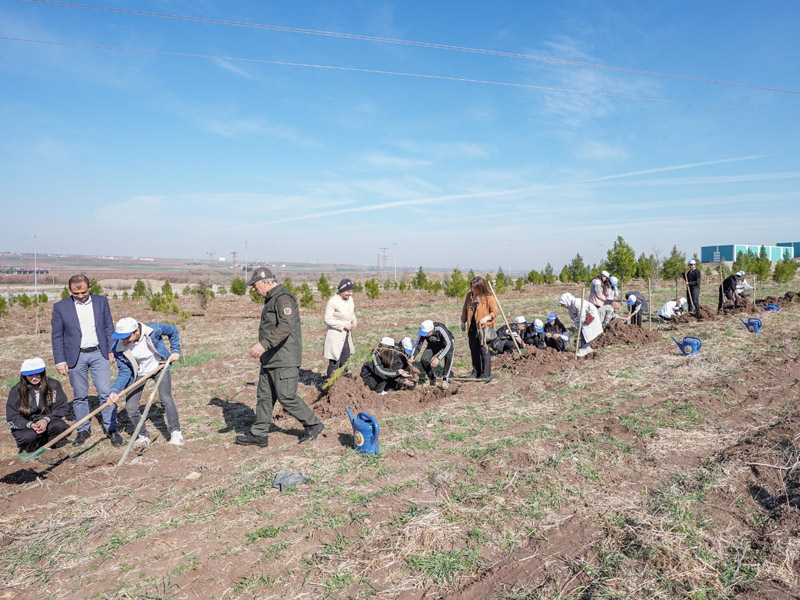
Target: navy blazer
{"x": 66, "y": 329}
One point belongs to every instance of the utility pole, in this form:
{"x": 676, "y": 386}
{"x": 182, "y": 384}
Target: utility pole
{"x": 509, "y": 260}
{"x": 395, "y": 261}
{"x": 210, "y": 267}
{"x": 35, "y": 284}
{"x": 234, "y": 253}
{"x": 246, "y": 277}
{"x": 383, "y": 256}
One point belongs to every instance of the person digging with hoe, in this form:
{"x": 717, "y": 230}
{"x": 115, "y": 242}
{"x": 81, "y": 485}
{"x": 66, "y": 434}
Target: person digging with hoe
{"x": 279, "y": 350}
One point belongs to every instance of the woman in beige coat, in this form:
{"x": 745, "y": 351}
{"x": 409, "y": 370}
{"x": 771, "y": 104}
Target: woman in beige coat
{"x": 340, "y": 318}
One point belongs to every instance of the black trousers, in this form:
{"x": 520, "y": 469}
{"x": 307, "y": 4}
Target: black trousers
{"x": 558, "y": 343}
{"x": 335, "y": 364}
{"x": 728, "y": 294}
{"x": 694, "y": 292}
{"x": 637, "y": 319}
{"x": 481, "y": 359}
{"x": 28, "y": 440}
{"x": 425, "y": 361}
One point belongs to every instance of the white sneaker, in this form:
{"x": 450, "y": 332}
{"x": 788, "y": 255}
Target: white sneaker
{"x": 584, "y": 351}
{"x": 142, "y": 440}
{"x": 176, "y": 438}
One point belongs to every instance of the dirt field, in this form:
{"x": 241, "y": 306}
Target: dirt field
{"x": 636, "y": 472}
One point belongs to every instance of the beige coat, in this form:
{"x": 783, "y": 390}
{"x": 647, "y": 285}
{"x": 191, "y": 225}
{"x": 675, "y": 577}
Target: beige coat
{"x": 338, "y": 313}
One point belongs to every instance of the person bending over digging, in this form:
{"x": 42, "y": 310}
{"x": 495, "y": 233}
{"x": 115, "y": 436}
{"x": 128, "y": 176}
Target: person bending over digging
{"x": 637, "y": 306}
{"x": 439, "y": 346}
{"x": 587, "y": 313}
{"x": 555, "y": 334}
{"x": 279, "y": 349}
{"x": 139, "y": 350}
{"x": 36, "y": 407}
{"x": 729, "y": 291}
{"x": 387, "y": 369}
{"x": 672, "y": 309}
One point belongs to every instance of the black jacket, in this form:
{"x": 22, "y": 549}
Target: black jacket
{"x": 17, "y": 420}
{"x": 729, "y": 284}
{"x": 440, "y": 341}
{"x": 693, "y": 277}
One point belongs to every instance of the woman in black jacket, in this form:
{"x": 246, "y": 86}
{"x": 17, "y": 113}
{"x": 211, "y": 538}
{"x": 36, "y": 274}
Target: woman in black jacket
{"x": 36, "y": 407}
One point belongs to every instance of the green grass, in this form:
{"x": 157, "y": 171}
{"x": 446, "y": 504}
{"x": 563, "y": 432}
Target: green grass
{"x": 268, "y": 531}
{"x": 444, "y": 567}
{"x": 192, "y": 359}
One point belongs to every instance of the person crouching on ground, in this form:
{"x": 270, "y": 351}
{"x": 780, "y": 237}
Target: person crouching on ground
{"x": 36, "y": 407}
{"x": 555, "y": 334}
{"x": 507, "y": 335}
{"x": 387, "y": 369}
{"x": 439, "y": 346}
{"x": 340, "y": 319}
{"x": 586, "y": 313}
{"x": 478, "y": 314}
{"x": 533, "y": 335}
{"x": 140, "y": 349}
{"x": 672, "y": 309}
{"x": 637, "y": 306}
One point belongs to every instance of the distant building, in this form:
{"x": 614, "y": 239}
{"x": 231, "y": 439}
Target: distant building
{"x": 794, "y": 245}
{"x": 26, "y": 271}
{"x": 729, "y": 252}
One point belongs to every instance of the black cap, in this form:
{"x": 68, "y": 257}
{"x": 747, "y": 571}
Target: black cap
{"x": 345, "y": 285}
{"x": 260, "y": 273}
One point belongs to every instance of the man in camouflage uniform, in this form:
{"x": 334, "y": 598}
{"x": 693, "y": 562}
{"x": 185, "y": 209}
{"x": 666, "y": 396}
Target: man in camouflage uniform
{"x": 280, "y": 350}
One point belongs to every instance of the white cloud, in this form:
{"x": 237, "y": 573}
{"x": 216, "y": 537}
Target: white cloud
{"x": 397, "y": 163}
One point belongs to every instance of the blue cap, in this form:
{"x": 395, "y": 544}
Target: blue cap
{"x": 631, "y": 300}
{"x": 552, "y": 317}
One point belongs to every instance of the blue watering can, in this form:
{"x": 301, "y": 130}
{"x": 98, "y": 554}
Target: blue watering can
{"x": 365, "y": 432}
{"x": 753, "y": 325}
{"x": 689, "y": 345}
{"x": 772, "y": 307}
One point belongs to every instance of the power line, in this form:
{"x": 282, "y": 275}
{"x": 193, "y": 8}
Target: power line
{"x": 399, "y": 74}
{"x": 385, "y": 40}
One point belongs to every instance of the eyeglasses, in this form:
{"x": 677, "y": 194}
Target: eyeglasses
{"x": 475, "y": 279}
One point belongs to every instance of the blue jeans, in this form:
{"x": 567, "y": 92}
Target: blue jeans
{"x": 100, "y": 368}
{"x": 164, "y": 394}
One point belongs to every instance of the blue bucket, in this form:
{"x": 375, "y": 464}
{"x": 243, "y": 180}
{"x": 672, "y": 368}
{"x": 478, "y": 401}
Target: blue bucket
{"x": 365, "y": 432}
{"x": 689, "y": 345}
{"x": 753, "y": 325}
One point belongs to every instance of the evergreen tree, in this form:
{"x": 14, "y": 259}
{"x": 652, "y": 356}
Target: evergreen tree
{"x": 501, "y": 277}
{"x": 621, "y": 259}
{"x": 644, "y": 268}
{"x": 239, "y": 287}
{"x": 454, "y": 285}
{"x": 548, "y": 274}
{"x": 289, "y": 286}
{"x": 673, "y": 265}
{"x": 95, "y": 287}
{"x": 761, "y": 266}
{"x": 786, "y": 269}
{"x": 306, "y": 296}
{"x": 578, "y": 272}
{"x": 420, "y": 280}
{"x": 534, "y": 277}
{"x": 500, "y": 286}
{"x": 139, "y": 290}
{"x": 373, "y": 288}
{"x": 566, "y": 275}
{"x": 125, "y": 296}
{"x": 518, "y": 284}
{"x": 324, "y": 287}
{"x": 470, "y": 275}
{"x": 3, "y": 307}
{"x": 434, "y": 287}
{"x": 65, "y": 293}
{"x": 166, "y": 290}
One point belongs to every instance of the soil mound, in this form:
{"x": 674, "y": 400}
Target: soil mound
{"x": 534, "y": 363}
{"x": 350, "y": 391}
{"x": 744, "y": 306}
{"x": 706, "y": 313}
{"x": 620, "y": 332}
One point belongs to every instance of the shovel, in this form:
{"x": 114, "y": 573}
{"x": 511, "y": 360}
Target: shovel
{"x": 144, "y": 412}
{"x": 471, "y": 379}
{"x": 29, "y": 456}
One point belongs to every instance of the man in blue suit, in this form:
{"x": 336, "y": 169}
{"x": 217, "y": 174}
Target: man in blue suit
{"x": 82, "y": 329}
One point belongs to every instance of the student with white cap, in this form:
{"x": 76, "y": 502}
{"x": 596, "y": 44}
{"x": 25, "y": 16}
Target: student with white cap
{"x": 388, "y": 368}
{"x": 504, "y": 342}
{"x": 637, "y": 306}
{"x": 692, "y": 278}
{"x": 555, "y": 334}
{"x": 672, "y": 309}
{"x": 439, "y": 346}
{"x": 597, "y": 295}
{"x": 533, "y": 335}
{"x": 586, "y": 313}
{"x": 140, "y": 348}
{"x": 36, "y": 407}
{"x": 742, "y": 286}
{"x": 728, "y": 290}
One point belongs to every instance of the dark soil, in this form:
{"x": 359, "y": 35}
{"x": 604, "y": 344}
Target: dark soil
{"x": 620, "y": 332}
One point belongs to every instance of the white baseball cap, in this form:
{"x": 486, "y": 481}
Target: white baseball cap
{"x": 693, "y": 262}
{"x": 125, "y": 327}
{"x": 426, "y": 328}
{"x": 387, "y": 341}
{"x": 31, "y": 366}
{"x": 682, "y": 301}
{"x": 614, "y": 281}
{"x": 520, "y": 319}
{"x": 408, "y": 345}
{"x": 606, "y": 273}
{"x": 538, "y": 325}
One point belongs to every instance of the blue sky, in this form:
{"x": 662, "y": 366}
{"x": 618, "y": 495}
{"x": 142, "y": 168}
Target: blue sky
{"x": 206, "y": 136}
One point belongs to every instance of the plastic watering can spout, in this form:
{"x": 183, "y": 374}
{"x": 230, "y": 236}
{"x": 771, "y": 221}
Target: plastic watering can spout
{"x": 349, "y": 414}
